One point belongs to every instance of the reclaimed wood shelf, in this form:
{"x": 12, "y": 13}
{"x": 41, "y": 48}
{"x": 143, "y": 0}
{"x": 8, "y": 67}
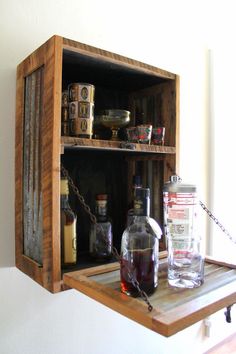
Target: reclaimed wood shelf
{"x": 150, "y": 94}
{"x": 174, "y": 309}
{"x": 73, "y": 142}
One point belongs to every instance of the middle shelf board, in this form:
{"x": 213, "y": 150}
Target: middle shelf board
{"x": 82, "y": 143}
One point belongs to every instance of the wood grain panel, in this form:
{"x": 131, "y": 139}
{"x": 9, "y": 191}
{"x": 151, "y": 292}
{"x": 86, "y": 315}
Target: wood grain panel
{"x": 115, "y": 58}
{"x": 48, "y": 57}
{"x": 174, "y": 308}
{"x": 73, "y": 142}
{"x": 32, "y": 163}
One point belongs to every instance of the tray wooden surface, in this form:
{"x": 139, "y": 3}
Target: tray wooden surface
{"x": 174, "y": 308}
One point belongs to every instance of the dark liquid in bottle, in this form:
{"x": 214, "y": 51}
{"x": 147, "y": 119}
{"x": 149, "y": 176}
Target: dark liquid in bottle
{"x": 143, "y": 264}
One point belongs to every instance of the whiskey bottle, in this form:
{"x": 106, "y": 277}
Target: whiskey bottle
{"x": 101, "y": 233}
{"x": 68, "y": 228}
{"x": 136, "y": 184}
{"x": 140, "y": 247}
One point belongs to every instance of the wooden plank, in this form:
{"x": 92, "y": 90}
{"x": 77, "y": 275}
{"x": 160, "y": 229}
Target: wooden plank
{"x": 174, "y": 308}
{"x": 48, "y": 57}
{"x": 51, "y": 133}
{"x": 114, "y": 145}
{"x": 115, "y": 58}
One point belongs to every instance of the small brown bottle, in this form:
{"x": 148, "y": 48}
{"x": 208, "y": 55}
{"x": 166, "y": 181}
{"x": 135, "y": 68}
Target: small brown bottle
{"x": 101, "y": 233}
{"x": 68, "y": 228}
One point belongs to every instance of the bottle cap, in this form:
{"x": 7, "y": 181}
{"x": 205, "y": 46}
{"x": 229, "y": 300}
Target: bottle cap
{"x": 101, "y": 197}
{"x": 175, "y": 185}
{"x": 137, "y": 180}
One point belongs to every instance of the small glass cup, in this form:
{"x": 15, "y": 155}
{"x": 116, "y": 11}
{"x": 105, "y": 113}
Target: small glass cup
{"x": 132, "y": 134}
{"x": 158, "y": 135}
{"x": 144, "y": 133}
{"x": 185, "y": 262}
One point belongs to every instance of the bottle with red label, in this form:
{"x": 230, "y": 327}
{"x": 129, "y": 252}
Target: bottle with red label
{"x": 180, "y": 208}
{"x": 185, "y": 257}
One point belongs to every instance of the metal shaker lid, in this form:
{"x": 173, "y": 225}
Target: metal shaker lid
{"x": 174, "y": 185}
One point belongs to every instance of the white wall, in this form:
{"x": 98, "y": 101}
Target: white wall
{"x": 223, "y": 115}
{"x": 168, "y": 34}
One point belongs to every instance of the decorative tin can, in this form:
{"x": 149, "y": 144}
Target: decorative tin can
{"x": 82, "y": 92}
{"x": 64, "y": 99}
{"x": 81, "y": 127}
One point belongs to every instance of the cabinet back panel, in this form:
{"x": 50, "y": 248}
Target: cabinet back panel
{"x": 95, "y": 173}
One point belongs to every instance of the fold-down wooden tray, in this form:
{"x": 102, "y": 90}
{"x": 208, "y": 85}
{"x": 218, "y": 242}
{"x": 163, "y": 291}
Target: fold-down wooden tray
{"x": 174, "y": 309}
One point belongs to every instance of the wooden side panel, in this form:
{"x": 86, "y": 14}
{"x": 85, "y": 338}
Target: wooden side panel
{"x": 49, "y": 59}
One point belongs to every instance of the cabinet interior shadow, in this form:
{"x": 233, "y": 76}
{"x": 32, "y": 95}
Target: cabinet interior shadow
{"x": 97, "y": 173}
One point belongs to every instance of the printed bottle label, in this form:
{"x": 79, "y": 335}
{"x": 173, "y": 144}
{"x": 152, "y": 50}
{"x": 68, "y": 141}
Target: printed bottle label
{"x": 70, "y": 243}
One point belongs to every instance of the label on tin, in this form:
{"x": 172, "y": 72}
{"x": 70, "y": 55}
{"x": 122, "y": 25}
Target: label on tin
{"x": 64, "y": 99}
{"x": 81, "y": 110}
{"x": 86, "y": 93}
{"x": 85, "y": 110}
{"x": 81, "y": 126}
{"x": 73, "y": 92}
{"x": 73, "y": 110}
{"x": 64, "y": 114}
{"x": 81, "y": 92}
{"x": 65, "y": 129}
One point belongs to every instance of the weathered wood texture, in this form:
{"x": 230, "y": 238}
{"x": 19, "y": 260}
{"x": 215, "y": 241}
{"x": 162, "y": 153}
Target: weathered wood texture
{"x": 73, "y": 142}
{"x": 49, "y": 59}
{"x": 97, "y": 53}
{"x": 116, "y": 78}
{"x": 32, "y": 162}
{"x": 174, "y": 309}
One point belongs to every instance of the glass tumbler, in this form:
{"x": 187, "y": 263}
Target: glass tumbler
{"x": 185, "y": 262}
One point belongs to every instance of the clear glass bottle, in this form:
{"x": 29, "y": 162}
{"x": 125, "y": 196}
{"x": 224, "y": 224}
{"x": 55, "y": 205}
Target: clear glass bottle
{"x": 140, "y": 247}
{"x": 101, "y": 233}
{"x": 136, "y": 184}
{"x": 185, "y": 256}
{"x": 68, "y": 228}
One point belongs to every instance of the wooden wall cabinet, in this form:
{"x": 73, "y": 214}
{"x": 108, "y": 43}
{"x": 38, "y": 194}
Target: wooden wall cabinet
{"x": 98, "y": 166}
{"x": 119, "y": 82}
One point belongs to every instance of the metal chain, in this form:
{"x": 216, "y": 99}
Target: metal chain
{"x": 115, "y": 253}
{"x": 217, "y": 221}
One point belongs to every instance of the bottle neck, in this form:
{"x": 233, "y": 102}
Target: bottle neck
{"x": 142, "y": 206}
{"x": 64, "y": 201}
{"x": 101, "y": 210}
